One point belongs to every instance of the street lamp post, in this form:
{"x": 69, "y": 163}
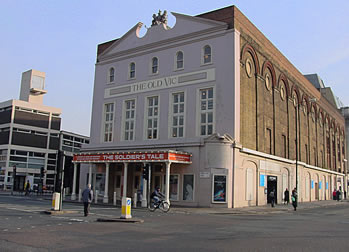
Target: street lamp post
{"x": 345, "y": 174}
{"x": 297, "y": 147}
{"x": 13, "y": 178}
{"x": 62, "y": 183}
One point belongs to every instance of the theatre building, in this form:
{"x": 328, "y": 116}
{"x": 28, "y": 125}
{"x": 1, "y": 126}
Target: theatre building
{"x": 215, "y": 110}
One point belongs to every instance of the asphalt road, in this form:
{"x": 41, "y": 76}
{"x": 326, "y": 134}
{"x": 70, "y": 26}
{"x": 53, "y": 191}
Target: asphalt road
{"x": 24, "y": 228}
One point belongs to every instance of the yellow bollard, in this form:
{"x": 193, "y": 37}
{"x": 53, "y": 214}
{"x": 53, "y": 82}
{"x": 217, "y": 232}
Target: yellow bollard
{"x": 126, "y": 208}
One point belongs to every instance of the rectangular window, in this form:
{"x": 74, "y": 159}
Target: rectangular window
{"x": 108, "y": 122}
{"x": 188, "y": 187}
{"x": 177, "y": 115}
{"x": 130, "y": 111}
{"x": 136, "y": 182}
{"x": 152, "y": 117}
{"x": 118, "y": 181}
{"x": 328, "y": 151}
{"x": 315, "y": 159}
{"x": 334, "y": 154}
{"x": 269, "y": 146}
{"x": 206, "y": 112}
{"x": 284, "y": 151}
{"x": 132, "y": 70}
{"x": 306, "y": 154}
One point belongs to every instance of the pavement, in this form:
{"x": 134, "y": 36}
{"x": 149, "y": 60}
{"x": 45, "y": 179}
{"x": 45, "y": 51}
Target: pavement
{"x": 252, "y": 210}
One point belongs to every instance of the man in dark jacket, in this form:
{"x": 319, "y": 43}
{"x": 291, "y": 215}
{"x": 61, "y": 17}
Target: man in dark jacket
{"x": 87, "y": 197}
{"x": 157, "y": 195}
{"x": 272, "y": 197}
{"x": 286, "y": 196}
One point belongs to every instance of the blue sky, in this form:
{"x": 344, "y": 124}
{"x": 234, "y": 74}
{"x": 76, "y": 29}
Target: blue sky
{"x": 61, "y": 37}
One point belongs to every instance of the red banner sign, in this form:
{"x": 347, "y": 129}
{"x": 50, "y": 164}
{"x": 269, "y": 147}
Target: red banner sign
{"x": 136, "y": 157}
{"x": 179, "y": 157}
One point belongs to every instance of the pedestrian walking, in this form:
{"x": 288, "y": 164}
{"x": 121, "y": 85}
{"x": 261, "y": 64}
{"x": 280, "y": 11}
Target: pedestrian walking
{"x": 345, "y": 194}
{"x": 272, "y": 197}
{"x": 338, "y": 194}
{"x": 286, "y": 196}
{"x": 87, "y": 197}
{"x": 27, "y": 188}
{"x": 294, "y": 198}
{"x": 334, "y": 194}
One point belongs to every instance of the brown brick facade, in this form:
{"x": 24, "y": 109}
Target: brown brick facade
{"x": 272, "y": 90}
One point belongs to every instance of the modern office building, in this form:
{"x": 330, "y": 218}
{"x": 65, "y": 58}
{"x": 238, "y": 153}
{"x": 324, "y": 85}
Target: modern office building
{"x": 31, "y": 140}
{"x": 218, "y": 113}
{"x": 29, "y": 136}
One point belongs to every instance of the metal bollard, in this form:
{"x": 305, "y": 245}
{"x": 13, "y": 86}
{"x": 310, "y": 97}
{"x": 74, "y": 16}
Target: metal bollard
{"x": 79, "y": 195}
{"x": 114, "y": 199}
{"x": 96, "y": 199}
{"x": 64, "y": 193}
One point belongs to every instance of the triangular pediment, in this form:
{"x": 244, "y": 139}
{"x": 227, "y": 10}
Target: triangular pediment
{"x": 184, "y": 27}
{"x": 216, "y": 137}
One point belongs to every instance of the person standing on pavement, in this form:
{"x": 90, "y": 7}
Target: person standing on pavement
{"x": 294, "y": 198}
{"x": 334, "y": 194}
{"x": 286, "y": 196}
{"x": 87, "y": 197}
{"x": 338, "y": 193}
{"x": 345, "y": 194}
{"x": 272, "y": 197}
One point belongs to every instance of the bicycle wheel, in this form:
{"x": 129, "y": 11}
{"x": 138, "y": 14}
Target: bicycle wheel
{"x": 164, "y": 206}
{"x": 152, "y": 207}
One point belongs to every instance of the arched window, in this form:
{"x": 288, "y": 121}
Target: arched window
{"x": 179, "y": 60}
{"x": 207, "y": 54}
{"x": 111, "y": 74}
{"x": 132, "y": 70}
{"x": 154, "y": 65}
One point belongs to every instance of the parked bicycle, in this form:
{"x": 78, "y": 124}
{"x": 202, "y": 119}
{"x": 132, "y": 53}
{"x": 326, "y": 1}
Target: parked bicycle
{"x": 161, "y": 204}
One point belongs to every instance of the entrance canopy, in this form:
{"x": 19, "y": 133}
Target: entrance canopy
{"x": 122, "y": 157}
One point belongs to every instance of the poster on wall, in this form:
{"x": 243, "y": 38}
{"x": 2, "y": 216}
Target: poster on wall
{"x": 173, "y": 187}
{"x": 188, "y": 187}
{"x": 219, "y": 188}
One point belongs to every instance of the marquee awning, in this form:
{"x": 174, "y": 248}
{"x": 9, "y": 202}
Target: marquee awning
{"x": 121, "y": 157}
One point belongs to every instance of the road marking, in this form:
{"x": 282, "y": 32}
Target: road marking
{"x": 5, "y": 230}
{"x": 70, "y": 223}
{"x": 18, "y": 228}
{"x": 32, "y": 226}
{"x": 19, "y": 217}
{"x": 59, "y": 224}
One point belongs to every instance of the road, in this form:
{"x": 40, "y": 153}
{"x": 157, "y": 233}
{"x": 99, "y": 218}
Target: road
{"x": 24, "y": 228}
